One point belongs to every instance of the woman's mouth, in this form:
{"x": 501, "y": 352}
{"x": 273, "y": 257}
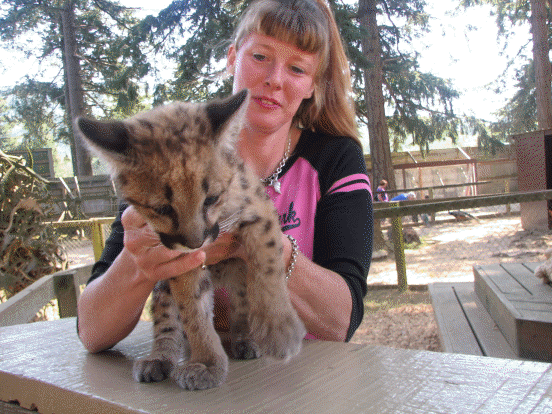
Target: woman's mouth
{"x": 267, "y": 102}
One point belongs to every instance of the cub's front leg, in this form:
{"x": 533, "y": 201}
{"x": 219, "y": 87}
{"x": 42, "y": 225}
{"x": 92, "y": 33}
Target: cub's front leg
{"x": 273, "y": 322}
{"x": 169, "y": 343}
{"x": 207, "y": 365}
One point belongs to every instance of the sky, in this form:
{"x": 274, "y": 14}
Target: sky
{"x": 471, "y": 59}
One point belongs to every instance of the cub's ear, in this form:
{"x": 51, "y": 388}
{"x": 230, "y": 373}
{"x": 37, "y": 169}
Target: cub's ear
{"x": 105, "y": 136}
{"x": 219, "y": 112}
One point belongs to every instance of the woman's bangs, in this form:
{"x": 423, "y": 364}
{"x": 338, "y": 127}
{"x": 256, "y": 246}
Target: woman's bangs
{"x": 291, "y": 26}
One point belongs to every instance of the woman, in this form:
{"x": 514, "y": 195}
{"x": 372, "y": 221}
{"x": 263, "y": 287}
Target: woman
{"x": 300, "y": 135}
{"x": 381, "y": 191}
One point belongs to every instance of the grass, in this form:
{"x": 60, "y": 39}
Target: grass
{"x": 383, "y": 298}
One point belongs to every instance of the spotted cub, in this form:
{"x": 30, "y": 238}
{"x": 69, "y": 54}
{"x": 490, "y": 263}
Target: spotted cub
{"x": 178, "y": 166}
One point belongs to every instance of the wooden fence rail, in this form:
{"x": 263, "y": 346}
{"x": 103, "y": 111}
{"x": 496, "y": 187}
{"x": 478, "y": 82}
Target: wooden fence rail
{"x": 96, "y": 229}
{"x": 63, "y": 286}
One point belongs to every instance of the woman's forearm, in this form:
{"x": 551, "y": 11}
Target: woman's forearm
{"x": 110, "y": 306}
{"x": 321, "y": 298}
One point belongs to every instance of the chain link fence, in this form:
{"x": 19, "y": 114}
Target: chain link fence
{"x": 442, "y": 240}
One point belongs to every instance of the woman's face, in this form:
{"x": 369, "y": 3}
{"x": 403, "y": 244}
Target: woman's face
{"x": 278, "y": 75}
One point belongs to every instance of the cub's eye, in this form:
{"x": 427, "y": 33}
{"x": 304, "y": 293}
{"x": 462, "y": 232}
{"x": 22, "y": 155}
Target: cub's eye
{"x": 209, "y": 201}
{"x": 165, "y": 210}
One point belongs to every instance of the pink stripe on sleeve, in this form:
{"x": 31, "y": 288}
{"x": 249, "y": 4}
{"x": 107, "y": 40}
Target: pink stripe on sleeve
{"x": 351, "y": 183}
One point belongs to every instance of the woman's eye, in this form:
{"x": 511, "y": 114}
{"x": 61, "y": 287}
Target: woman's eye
{"x": 259, "y": 57}
{"x": 297, "y": 70}
{"x": 209, "y": 201}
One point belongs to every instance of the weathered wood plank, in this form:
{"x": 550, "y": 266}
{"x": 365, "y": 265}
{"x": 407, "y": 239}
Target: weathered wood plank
{"x": 488, "y": 334}
{"x": 21, "y": 307}
{"x": 532, "y": 266}
{"x": 504, "y": 281}
{"x": 494, "y": 300}
{"x": 66, "y": 294}
{"x": 455, "y": 332}
{"x": 464, "y": 324}
{"x": 526, "y": 278}
{"x": 326, "y": 377}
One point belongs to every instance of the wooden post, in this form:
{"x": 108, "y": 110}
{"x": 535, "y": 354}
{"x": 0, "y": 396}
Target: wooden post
{"x": 506, "y": 191}
{"x": 98, "y": 239}
{"x": 66, "y": 294}
{"x": 400, "y": 261}
{"x": 431, "y": 198}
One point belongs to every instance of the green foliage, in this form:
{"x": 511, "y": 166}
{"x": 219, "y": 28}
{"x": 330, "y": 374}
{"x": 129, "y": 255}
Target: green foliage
{"x": 490, "y": 137}
{"x": 420, "y": 104}
{"x": 519, "y": 115}
{"x": 207, "y": 28}
{"x": 116, "y": 50}
{"x": 112, "y": 64}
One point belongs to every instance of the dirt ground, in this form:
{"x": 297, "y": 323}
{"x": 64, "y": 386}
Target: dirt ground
{"x": 447, "y": 253}
{"x": 399, "y": 320}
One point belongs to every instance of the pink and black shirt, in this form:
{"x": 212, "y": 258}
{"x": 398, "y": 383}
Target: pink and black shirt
{"x": 326, "y": 205}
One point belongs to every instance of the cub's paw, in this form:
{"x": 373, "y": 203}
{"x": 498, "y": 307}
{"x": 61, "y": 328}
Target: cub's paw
{"x": 245, "y": 349}
{"x": 278, "y": 335}
{"x": 197, "y": 376}
{"x": 151, "y": 369}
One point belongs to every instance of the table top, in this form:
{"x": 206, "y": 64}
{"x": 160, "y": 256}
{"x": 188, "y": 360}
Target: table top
{"x": 44, "y": 366}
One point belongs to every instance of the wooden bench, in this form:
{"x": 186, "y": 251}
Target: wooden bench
{"x": 506, "y": 312}
{"x": 465, "y": 326}
{"x": 521, "y": 306}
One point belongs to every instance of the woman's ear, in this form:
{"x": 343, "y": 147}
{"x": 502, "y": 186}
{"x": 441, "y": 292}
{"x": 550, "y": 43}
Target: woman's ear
{"x": 231, "y": 59}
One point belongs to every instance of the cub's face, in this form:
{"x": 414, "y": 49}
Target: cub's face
{"x": 175, "y": 165}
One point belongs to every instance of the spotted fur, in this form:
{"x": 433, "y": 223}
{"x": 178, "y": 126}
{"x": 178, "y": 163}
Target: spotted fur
{"x": 177, "y": 165}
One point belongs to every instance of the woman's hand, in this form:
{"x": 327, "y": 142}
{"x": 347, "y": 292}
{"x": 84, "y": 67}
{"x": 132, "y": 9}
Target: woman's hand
{"x": 154, "y": 260}
{"x": 157, "y": 262}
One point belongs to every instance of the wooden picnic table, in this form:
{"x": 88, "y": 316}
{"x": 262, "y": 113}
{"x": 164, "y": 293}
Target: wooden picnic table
{"x": 506, "y": 312}
{"x": 44, "y": 367}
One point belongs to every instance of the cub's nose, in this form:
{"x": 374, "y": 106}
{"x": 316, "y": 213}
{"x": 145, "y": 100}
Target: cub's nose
{"x": 213, "y": 232}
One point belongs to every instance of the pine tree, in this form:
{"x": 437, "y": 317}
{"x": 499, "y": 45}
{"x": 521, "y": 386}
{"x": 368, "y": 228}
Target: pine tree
{"x": 96, "y": 46}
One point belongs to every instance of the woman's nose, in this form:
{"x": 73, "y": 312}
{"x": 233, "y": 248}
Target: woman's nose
{"x": 274, "y": 76}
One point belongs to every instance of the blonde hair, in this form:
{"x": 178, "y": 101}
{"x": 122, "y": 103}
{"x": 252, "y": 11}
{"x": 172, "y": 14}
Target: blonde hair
{"x": 310, "y": 26}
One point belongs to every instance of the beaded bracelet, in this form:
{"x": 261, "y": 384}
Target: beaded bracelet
{"x": 294, "y": 254}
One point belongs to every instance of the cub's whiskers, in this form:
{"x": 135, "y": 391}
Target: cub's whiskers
{"x": 226, "y": 224}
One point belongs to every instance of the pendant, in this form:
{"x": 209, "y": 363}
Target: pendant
{"x": 274, "y": 183}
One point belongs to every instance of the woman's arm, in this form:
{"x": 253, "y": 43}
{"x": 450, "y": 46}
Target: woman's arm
{"x": 111, "y": 305}
{"x": 321, "y": 298}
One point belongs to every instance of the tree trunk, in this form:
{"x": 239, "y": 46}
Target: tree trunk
{"x": 380, "y": 150}
{"x": 73, "y": 88}
{"x": 541, "y": 59}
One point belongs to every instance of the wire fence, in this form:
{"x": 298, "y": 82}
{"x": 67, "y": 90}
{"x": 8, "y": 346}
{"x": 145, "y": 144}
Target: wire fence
{"x": 419, "y": 242}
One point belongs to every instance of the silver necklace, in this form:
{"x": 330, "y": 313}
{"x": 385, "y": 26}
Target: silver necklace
{"x": 272, "y": 180}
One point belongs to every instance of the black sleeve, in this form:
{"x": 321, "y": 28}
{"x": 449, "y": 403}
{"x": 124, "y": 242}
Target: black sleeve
{"x": 344, "y": 226}
{"x": 113, "y": 246}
